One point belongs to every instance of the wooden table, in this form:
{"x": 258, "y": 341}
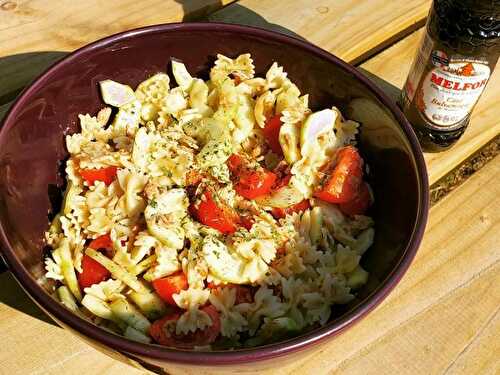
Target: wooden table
{"x": 443, "y": 316}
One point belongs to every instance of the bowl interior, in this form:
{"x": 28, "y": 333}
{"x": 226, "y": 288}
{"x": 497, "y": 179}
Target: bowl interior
{"x": 32, "y": 138}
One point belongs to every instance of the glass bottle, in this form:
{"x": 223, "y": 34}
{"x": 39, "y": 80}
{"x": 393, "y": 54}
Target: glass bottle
{"x": 454, "y": 62}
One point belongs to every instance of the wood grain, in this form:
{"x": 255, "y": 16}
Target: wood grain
{"x": 485, "y": 346}
{"x": 484, "y": 124}
{"x": 32, "y": 344}
{"x": 437, "y": 318}
{"x": 442, "y": 317}
{"x": 351, "y": 29}
{"x": 427, "y": 342}
{"x": 36, "y": 33}
{"x": 452, "y": 277}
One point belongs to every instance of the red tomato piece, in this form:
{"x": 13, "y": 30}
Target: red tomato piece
{"x": 170, "y": 285}
{"x": 92, "y": 273}
{"x": 101, "y": 242}
{"x": 163, "y": 331}
{"x": 280, "y": 213}
{"x": 235, "y": 162}
{"x": 272, "y": 133}
{"x": 215, "y": 215}
{"x": 343, "y": 177}
{"x": 360, "y": 203}
{"x": 106, "y": 175}
{"x": 250, "y": 182}
{"x": 255, "y": 184}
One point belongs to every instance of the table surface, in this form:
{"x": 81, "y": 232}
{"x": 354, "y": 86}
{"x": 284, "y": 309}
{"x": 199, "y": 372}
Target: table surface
{"x": 442, "y": 317}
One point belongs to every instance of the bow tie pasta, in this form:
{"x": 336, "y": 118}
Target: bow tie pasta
{"x": 211, "y": 214}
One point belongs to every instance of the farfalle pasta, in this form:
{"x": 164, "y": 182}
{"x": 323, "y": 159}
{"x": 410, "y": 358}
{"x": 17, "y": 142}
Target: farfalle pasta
{"x": 211, "y": 214}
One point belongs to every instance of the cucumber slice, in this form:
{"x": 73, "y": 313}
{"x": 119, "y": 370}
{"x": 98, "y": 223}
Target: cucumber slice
{"x": 357, "y": 278}
{"x": 316, "y": 225}
{"x": 136, "y": 335}
{"x": 68, "y": 270}
{"x": 116, "y": 94}
{"x": 66, "y": 298}
{"x": 127, "y": 313}
{"x": 149, "y": 303}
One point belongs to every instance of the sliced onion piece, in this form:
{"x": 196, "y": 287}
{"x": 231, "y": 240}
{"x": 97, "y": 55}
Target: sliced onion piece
{"x": 316, "y": 125}
{"x": 116, "y": 94}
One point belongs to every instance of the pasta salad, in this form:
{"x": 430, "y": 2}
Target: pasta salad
{"x": 210, "y": 214}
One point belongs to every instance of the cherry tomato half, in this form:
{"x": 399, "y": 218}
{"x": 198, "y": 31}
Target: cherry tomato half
{"x": 92, "y": 273}
{"x": 167, "y": 286}
{"x": 215, "y": 214}
{"x": 272, "y": 133}
{"x": 163, "y": 331}
{"x": 343, "y": 177}
{"x": 250, "y": 182}
{"x": 360, "y": 203}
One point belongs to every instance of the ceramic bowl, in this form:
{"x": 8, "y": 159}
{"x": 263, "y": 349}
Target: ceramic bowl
{"x": 32, "y": 148}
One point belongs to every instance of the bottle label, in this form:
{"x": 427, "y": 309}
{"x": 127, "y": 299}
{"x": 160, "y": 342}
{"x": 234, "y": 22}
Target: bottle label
{"x": 417, "y": 69}
{"x": 450, "y": 90}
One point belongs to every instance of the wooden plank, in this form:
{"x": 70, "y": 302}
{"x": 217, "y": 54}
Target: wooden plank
{"x": 34, "y": 33}
{"x": 486, "y": 346}
{"x": 351, "y": 29}
{"x": 33, "y": 344}
{"x": 451, "y": 324}
{"x": 34, "y": 36}
{"x": 484, "y": 125}
{"x": 456, "y": 256}
{"x": 435, "y": 319}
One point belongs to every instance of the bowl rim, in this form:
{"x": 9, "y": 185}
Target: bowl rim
{"x": 240, "y": 356}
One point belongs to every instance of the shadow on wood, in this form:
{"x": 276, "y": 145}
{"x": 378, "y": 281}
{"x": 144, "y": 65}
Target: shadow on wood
{"x": 198, "y": 10}
{"x": 232, "y": 13}
{"x": 389, "y": 89}
{"x": 12, "y": 295}
{"x": 17, "y": 71}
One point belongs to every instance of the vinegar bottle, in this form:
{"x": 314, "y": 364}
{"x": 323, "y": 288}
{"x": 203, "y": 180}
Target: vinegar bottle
{"x": 451, "y": 70}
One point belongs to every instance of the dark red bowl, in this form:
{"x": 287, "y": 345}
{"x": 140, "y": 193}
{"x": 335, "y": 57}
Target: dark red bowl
{"x": 32, "y": 146}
